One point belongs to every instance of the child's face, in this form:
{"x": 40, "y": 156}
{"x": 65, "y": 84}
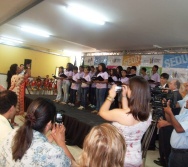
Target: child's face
{"x": 75, "y": 71}
{"x": 86, "y": 70}
{"x": 123, "y": 73}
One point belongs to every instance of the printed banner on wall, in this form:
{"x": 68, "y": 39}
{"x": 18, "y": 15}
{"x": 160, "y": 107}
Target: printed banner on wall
{"x": 178, "y": 73}
{"x": 131, "y": 60}
{"x": 114, "y": 60}
{"x": 89, "y": 60}
{"x": 175, "y": 61}
{"x": 100, "y": 59}
{"x": 150, "y": 60}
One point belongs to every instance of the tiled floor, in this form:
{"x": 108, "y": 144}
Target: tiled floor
{"x": 75, "y": 150}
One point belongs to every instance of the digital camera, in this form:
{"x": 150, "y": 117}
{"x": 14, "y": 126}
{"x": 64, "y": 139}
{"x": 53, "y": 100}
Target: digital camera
{"x": 59, "y": 117}
{"x": 118, "y": 88}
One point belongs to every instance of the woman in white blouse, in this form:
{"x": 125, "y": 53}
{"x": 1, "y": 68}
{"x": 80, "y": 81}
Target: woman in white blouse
{"x": 28, "y": 146}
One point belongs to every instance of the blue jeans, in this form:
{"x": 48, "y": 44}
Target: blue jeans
{"x": 73, "y": 96}
{"x": 79, "y": 93}
{"x": 84, "y": 96}
{"x": 177, "y": 159}
{"x": 100, "y": 97}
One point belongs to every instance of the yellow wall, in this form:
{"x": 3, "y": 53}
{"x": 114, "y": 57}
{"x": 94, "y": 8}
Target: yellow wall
{"x": 42, "y": 63}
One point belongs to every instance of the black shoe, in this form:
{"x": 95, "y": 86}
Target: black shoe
{"x": 159, "y": 163}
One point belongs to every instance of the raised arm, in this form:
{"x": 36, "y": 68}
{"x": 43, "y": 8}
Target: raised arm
{"x": 105, "y": 112}
{"x": 170, "y": 118}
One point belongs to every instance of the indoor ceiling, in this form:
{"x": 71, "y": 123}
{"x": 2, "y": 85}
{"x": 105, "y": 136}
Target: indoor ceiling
{"x": 130, "y": 24}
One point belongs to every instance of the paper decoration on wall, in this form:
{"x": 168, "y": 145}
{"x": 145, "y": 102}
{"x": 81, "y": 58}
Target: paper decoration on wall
{"x": 89, "y": 60}
{"x": 150, "y": 60}
{"x": 100, "y": 59}
{"x": 131, "y": 60}
{"x": 175, "y": 61}
{"x": 114, "y": 60}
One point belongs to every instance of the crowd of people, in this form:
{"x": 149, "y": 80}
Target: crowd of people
{"x": 116, "y": 144}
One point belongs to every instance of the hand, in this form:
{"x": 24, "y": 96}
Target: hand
{"x": 162, "y": 123}
{"x": 167, "y": 109}
{"x": 112, "y": 91}
{"x": 124, "y": 90}
{"x": 2, "y": 88}
{"x": 58, "y": 133}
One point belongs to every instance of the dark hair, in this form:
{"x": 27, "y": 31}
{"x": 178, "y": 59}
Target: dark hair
{"x": 156, "y": 66}
{"x": 103, "y": 66}
{"x": 114, "y": 72}
{"x": 88, "y": 68}
{"x": 165, "y": 76}
{"x": 120, "y": 68}
{"x": 177, "y": 84}
{"x": 8, "y": 99}
{"x": 139, "y": 102}
{"x": 70, "y": 67}
{"x": 144, "y": 69}
{"x": 10, "y": 73}
{"x": 39, "y": 113}
{"x": 92, "y": 67}
{"x": 124, "y": 71}
{"x": 75, "y": 68}
{"x": 134, "y": 68}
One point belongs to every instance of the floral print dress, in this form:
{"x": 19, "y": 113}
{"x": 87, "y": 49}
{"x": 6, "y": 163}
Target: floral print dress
{"x": 133, "y": 135}
{"x": 41, "y": 153}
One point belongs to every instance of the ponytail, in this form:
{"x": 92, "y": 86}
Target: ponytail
{"x": 22, "y": 141}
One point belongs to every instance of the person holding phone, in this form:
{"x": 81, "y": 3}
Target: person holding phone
{"x": 28, "y": 145}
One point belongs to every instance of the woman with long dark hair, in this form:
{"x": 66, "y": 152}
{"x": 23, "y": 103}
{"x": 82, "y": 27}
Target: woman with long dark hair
{"x": 133, "y": 119}
{"x": 28, "y": 146}
{"x": 12, "y": 71}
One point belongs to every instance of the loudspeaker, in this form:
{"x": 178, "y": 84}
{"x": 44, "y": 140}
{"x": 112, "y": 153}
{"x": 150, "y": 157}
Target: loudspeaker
{"x": 27, "y": 61}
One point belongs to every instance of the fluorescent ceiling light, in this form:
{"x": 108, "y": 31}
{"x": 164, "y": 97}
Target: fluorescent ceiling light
{"x": 7, "y": 43}
{"x": 85, "y": 14}
{"x": 11, "y": 40}
{"x": 157, "y": 46}
{"x": 70, "y": 53}
{"x": 35, "y": 31}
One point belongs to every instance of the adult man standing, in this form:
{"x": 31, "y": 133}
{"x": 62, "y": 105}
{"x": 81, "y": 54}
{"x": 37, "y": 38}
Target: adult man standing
{"x": 179, "y": 137}
{"x": 8, "y": 101}
{"x": 165, "y": 128}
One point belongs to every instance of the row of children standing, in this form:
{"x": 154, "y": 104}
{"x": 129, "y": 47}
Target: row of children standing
{"x": 81, "y": 84}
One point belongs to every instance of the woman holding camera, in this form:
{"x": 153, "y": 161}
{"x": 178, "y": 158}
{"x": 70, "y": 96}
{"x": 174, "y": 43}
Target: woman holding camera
{"x": 28, "y": 146}
{"x": 133, "y": 119}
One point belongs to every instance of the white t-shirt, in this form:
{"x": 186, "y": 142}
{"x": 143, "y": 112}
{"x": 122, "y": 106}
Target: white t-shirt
{"x": 5, "y": 128}
{"x": 68, "y": 74}
{"x": 104, "y": 75}
{"x": 155, "y": 77}
{"x": 145, "y": 77}
{"x": 75, "y": 77}
{"x": 124, "y": 80}
{"x": 88, "y": 79}
{"x": 81, "y": 74}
